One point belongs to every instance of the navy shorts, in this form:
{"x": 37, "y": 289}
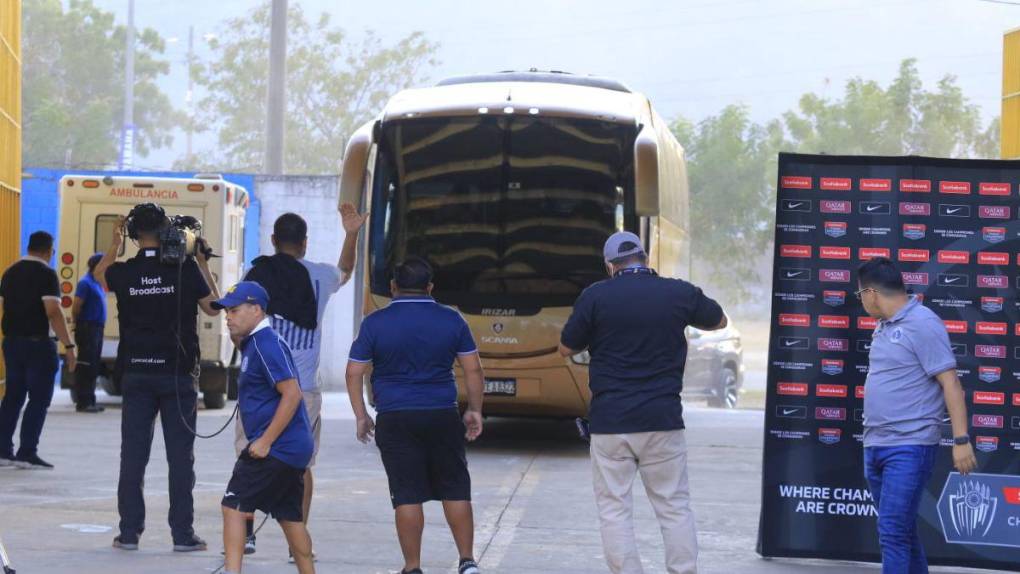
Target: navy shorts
{"x": 424, "y": 455}
{"x": 266, "y": 484}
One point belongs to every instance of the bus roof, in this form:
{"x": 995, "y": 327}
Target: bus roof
{"x": 498, "y": 94}
{"x": 550, "y": 77}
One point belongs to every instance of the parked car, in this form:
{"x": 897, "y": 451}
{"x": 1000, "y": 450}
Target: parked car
{"x": 715, "y": 366}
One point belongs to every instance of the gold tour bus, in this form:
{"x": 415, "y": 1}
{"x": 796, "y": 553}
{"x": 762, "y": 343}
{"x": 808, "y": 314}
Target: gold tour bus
{"x": 509, "y": 184}
{"x": 90, "y": 206}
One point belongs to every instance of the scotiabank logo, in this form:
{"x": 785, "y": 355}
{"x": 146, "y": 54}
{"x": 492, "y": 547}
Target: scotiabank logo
{"x": 798, "y": 251}
{"x": 835, "y": 345}
{"x": 985, "y": 188}
{"x": 993, "y": 258}
{"x": 795, "y": 182}
{"x": 914, "y": 255}
{"x": 994, "y": 212}
{"x": 955, "y": 327}
{"x": 834, "y": 321}
{"x": 876, "y": 185}
{"x": 834, "y": 275}
{"x": 794, "y": 320}
{"x": 834, "y": 183}
{"x": 989, "y": 398}
{"x": 867, "y": 323}
{"x": 915, "y": 185}
{"x": 993, "y": 281}
{"x": 830, "y": 413}
{"x": 986, "y": 421}
{"x": 954, "y": 257}
{"x": 829, "y": 252}
{"x": 955, "y": 187}
{"x": 915, "y": 278}
{"x": 859, "y": 391}
{"x": 990, "y": 328}
{"x": 990, "y": 351}
{"x": 865, "y": 253}
{"x": 792, "y": 389}
{"x": 835, "y": 391}
{"x": 834, "y": 206}
{"x": 907, "y": 208}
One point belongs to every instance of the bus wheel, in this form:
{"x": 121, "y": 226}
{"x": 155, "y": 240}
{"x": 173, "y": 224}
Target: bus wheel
{"x": 214, "y": 400}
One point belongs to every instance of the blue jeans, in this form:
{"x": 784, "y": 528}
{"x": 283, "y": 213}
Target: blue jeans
{"x": 31, "y": 367}
{"x": 897, "y": 476}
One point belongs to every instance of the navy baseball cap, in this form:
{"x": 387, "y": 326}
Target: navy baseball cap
{"x": 243, "y": 292}
{"x": 622, "y": 244}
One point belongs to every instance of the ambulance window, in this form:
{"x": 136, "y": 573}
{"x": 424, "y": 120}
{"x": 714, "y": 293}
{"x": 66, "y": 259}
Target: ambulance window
{"x": 233, "y": 233}
{"x": 104, "y": 233}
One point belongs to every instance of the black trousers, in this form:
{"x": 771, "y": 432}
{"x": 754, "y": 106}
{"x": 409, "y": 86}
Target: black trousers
{"x": 145, "y": 396}
{"x": 88, "y": 337}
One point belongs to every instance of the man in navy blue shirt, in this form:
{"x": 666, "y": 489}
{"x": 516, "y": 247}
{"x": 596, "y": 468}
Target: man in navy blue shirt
{"x": 411, "y": 346}
{"x": 633, "y": 325}
{"x": 89, "y": 315}
{"x": 268, "y": 476}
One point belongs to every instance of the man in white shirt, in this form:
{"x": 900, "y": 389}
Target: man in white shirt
{"x": 299, "y": 291}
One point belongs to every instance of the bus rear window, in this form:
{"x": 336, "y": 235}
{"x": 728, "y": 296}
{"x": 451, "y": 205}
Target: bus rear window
{"x": 103, "y": 236}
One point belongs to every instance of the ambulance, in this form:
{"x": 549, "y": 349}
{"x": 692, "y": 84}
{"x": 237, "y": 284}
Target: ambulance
{"x": 90, "y": 206}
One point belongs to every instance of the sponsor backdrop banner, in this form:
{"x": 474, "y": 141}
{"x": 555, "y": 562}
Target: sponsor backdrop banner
{"x": 952, "y": 226}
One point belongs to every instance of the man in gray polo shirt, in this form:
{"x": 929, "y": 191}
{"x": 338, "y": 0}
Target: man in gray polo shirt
{"x": 911, "y": 382}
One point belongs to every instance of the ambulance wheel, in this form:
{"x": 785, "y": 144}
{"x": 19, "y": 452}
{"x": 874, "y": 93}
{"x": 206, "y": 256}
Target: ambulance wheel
{"x": 214, "y": 400}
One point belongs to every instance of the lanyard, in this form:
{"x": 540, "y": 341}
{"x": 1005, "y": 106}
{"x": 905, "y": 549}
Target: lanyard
{"x": 635, "y": 271}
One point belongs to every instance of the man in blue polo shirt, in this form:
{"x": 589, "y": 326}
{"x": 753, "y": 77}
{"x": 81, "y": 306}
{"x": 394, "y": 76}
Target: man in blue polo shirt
{"x": 911, "y": 382}
{"x": 411, "y": 346}
{"x": 89, "y": 315}
{"x": 268, "y": 476}
{"x": 633, "y": 325}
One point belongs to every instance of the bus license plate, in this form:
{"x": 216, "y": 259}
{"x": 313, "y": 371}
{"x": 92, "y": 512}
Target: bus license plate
{"x": 506, "y": 387}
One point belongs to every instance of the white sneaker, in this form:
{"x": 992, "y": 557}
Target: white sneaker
{"x": 314, "y": 558}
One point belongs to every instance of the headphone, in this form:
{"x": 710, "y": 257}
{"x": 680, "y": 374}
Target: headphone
{"x": 145, "y": 217}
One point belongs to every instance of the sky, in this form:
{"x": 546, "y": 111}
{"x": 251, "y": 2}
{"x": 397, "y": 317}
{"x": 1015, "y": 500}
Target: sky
{"x": 690, "y": 57}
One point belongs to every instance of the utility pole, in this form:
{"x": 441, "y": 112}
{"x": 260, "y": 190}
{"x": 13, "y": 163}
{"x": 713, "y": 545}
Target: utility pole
{"x": 127, "y": 134}
{"x": 276, "y": 100}
{"x": 188, "y": 105}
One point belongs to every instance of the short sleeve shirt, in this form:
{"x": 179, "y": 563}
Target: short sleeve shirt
{"x": 412, "y": 345}
{"x": 903, "y": 402}
{"x": 23, "y": 287}
{"x": 633, "y": 327}
{"x": 148, "y": 294}
{"x": 266, "y": 361}
{"x": 93, "y": 299}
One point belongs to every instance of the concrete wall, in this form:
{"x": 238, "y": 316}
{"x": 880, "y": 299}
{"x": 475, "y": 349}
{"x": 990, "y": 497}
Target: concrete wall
{"x": 315, "y": 199}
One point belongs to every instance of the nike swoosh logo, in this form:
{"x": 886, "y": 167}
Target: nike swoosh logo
{"x": 789, "y": 411}
{"x": 794, "y": 205}
{"x": 954, "y": 210}
{"x": 872, "y": 207}
{"x": 950, "y": 279}
{"x": 793, "y": 274}
{"x": 791, "y": 343}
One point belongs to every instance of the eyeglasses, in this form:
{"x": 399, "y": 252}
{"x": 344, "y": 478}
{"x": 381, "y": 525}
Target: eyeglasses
{"x": 865, "y": 290}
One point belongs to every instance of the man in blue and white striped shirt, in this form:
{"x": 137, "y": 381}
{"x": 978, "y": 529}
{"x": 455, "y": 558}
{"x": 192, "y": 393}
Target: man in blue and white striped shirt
{"x": 299, "y": 291}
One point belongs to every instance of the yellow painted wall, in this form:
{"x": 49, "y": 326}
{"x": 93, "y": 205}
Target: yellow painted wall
{"x": 1010, "y": 143}
{"x": 10, "y": 135}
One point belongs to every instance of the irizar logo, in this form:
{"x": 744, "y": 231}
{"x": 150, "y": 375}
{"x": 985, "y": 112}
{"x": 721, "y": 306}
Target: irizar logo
{"x": 972, "y": 509}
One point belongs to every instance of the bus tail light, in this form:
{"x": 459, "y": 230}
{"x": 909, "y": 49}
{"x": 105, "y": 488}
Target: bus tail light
{"x": 582, "y": 358}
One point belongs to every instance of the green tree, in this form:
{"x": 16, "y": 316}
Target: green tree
{"x": 73, "y": 70}
{"x": 334, "y": 84}
{"x": 731, "y": 170}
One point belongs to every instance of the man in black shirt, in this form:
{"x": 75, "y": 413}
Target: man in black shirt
{"x": 30, "y": 294}
{"x": 158, "y": 355}
{"x": 633, "y": 326}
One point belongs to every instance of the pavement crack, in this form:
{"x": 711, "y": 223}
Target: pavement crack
{"x": 502, "y": 512}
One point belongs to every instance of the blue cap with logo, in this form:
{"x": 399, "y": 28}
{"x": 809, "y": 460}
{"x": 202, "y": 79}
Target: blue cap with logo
{"x": 622, "y": 244}
{"x": 243, "y": 292}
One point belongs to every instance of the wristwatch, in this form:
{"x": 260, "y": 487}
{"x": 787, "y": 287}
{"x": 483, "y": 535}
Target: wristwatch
{"x": 961, "y": 440}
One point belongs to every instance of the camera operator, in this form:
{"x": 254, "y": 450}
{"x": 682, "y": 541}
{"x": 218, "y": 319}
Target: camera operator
{"x": 158, "y": 359}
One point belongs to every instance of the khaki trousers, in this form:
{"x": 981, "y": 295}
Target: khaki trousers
{"x": 661, "y": 458}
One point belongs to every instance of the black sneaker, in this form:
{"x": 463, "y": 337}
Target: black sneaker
{"x": 7, "y": 460}
{"x": 249, "y": 545}
{"x": 90, "y": 409}
{"x": 125, "y": 542}
{"x": 194, "y": 544}
{"x": 32, "y": 462}
{"x": 415, "y": 571}
{"x": 468, "y": 566}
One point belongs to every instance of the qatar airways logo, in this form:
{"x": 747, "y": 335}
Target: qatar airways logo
{"x": 834, "y": 275}
{"x": 915, "y": 278}
{"x": 835, "y": 345}
{"x": 994, "y": 212}
{"x": 993, "y": 281}
{"x": 990, "y": 351}
{"x": 907, "y": 208}
{"x": 834, "y": 206}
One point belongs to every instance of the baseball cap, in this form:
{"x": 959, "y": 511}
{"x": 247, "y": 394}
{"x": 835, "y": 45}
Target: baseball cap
{"x": 243, "y": 292}
{"x": 622, "y": 244}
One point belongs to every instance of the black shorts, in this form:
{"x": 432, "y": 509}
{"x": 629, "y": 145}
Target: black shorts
{"x": 266, "y": 484}
{"x": 423, "y": 453}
